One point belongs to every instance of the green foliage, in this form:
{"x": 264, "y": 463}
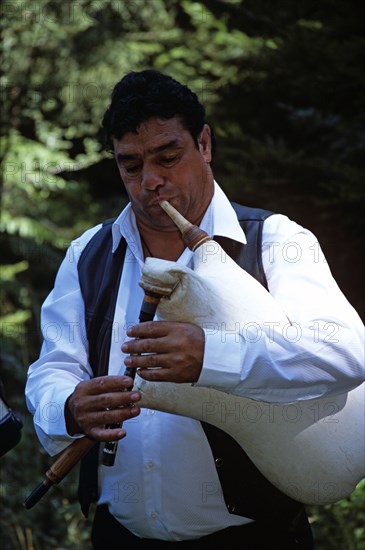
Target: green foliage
{"x": 341, "y": 525}
{"x": 300, "y": 96}
{"x": 282, "y": 83}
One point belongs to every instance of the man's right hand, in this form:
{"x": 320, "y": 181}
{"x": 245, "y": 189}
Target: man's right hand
{"x": 99, "y": 402}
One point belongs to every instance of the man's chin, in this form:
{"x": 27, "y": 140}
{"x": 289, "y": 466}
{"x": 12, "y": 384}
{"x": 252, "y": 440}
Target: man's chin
{"x": 158, "y": 219}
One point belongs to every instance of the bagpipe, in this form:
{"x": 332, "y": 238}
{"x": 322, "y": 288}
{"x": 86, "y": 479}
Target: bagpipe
{"x": 311, "y": 450}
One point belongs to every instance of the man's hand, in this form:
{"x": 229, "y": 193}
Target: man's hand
{"x": 169, "y": 352}
{"x": 98, "y": 402}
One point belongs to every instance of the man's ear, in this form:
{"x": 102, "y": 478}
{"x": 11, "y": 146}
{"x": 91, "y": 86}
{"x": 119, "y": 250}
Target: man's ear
{"x": 205, "y": 143}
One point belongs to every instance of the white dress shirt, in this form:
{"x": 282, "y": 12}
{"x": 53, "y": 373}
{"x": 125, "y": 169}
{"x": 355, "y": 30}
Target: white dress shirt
{"x": 164, "y": 482}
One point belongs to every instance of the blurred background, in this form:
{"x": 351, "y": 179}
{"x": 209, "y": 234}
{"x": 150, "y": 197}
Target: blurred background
{"x": 283, "y": 85}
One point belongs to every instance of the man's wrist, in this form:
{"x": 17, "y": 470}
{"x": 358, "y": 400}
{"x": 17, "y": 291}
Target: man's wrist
{"x": 72, "y": 426}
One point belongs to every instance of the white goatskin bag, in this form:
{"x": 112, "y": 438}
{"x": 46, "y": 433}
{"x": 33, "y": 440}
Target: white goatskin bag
{"x": 313, "y": 450}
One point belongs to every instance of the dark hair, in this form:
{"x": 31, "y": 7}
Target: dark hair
{"x": 139, "y": 96}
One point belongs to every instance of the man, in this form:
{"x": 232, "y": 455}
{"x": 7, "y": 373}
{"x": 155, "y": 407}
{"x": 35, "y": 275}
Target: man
{"x": 159, "y": 492}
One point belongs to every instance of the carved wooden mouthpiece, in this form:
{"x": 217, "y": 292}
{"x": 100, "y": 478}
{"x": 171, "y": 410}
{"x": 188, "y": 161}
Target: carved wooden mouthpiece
{"x": 192, "y": 235}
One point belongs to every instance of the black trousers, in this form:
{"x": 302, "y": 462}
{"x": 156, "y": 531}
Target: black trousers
{"x": 107, "y": 533}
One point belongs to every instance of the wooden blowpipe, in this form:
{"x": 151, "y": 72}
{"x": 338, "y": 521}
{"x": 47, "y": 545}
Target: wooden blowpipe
{"x": 192, "y": 235}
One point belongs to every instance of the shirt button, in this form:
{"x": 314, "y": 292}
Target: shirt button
{"x": 154, "y": 515}
{"x": 150, "y": 464}
{"x": 219, "y": 462}
{"x": 231, "y": 507}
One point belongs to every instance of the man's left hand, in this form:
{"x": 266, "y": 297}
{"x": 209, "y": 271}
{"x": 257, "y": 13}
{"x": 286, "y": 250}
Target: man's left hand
{"x": 166, "y": 351}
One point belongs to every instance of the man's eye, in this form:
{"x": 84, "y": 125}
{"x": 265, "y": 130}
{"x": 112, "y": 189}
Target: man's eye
{"x": 169, "y": 160}
{"x": 133, "y": 169}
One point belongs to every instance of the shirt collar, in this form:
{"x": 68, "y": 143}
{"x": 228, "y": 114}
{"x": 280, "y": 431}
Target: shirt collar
{"x": 126, "y": 226}
{"x": 225, "y": 221}
{"x": 219, "y": 219}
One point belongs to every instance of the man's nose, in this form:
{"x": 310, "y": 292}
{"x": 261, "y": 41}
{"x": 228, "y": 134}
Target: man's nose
{"x": 151, "y": 178}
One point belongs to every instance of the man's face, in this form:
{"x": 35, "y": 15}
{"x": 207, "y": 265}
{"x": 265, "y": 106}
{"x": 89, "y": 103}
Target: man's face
{"x": 161, "y": 162}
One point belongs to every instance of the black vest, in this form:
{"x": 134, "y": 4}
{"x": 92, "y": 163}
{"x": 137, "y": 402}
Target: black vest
{"x": 246, "y": 491}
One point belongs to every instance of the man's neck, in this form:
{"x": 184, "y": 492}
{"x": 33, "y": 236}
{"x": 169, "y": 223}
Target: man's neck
{"x": 167, "y": 245}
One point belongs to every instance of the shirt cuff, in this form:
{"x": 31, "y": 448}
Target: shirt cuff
{"x": 222, "y": 360}
{"x": 50, "y": 424}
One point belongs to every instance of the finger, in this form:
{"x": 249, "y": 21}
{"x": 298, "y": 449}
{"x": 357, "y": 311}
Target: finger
{"x": 156, "y": 375}
{"x": 115, "y": 416}
{"x": 151, "y": 361}
{"x": 147, "y": 329}
{"x": 177, "y": 375}
{"x": 108, "y": 401}
{"x": 106, "y": 409}
{"x": 105, "y": 384}
{"x": 147, "y": 345}
{"x": 107, "y": 434}
{"x": 93, "y": 423}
